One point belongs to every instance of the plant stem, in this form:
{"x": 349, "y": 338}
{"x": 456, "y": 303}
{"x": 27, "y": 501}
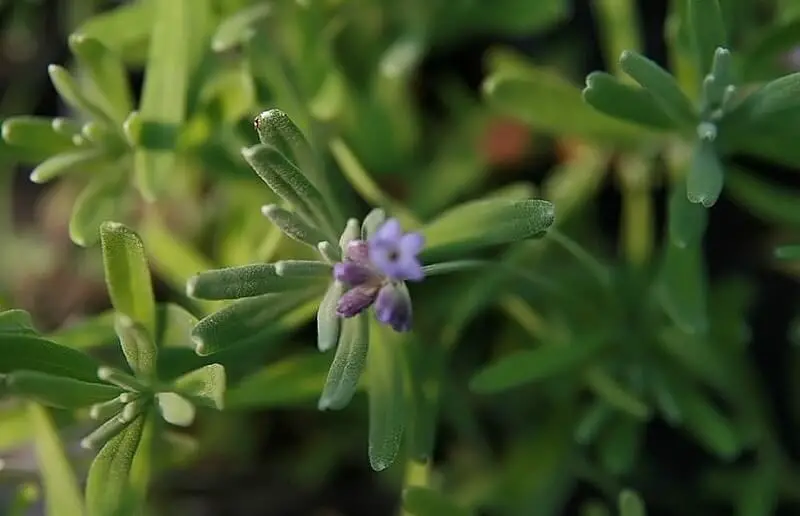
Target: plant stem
{"x": 637, "y": 211}
{"x": 581, "y": 255}
{"x": 619, "y": 30}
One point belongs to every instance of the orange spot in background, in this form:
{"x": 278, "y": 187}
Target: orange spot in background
{"x": 505, "y": 142}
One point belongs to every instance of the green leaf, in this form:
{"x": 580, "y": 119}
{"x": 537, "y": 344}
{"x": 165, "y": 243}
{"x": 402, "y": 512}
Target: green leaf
{"x": 238, "y": 27}
{"x": 607, "y": 94}
{"x": 98, "y": 202}
{"x": 37, "y": 133}
{"x": 59, "y": 391}
{"x": 483, "y": 223}
{"x": 707, "y": 28}
{"x": 121, "y": 28}
{"x": 29, "y": 352}
{"x": 681, "y": 287}
{"x": 67, "y": 163}
{"x": 766, "y": 58}
{"x": 348, "y": 364}
{"x": 544, "y": 362}
{"x": 294, "y": 226}
{"x": 387, "y": 395}
{"x": 244, "y": 281}
{"x": 772, "y": 203}
{"x": 374, "y": 219}
{"x": 71, "y": 93}
{"x": 105, "y": 432}
{"x": 706, "y": 175}
{"x": 630, "y": 504}
{"x": 107, "y": 72}
{"x": 789, "y": 252}
{"x": 249, "y": 321}
{"x": 505, "y": 17}
{"x": 291, "y": 381}
{"x": 551, "y": 104}
{"x": 16, "y": 321}
{"x": 165, "y": 88}
{"x": 174, "y": 326}
{"x": 423, "y": 501}
{"x": 662, "y": 86}
{"x": 328, "y": 321}
{"x": 711, "y": 428}
{"x": 62, "y": 495}
{"x": 619, "y": 445}
{"x": 592, "y": 422}
{"x": 303, "y": 269}
{"x": 175, "y": 409}
{"x": 108, "y": 483}
{"x": 127, "y": 274}
{"x": 138, "y": 347}
{"x": 204, "y": 386}
{"x": 687, "y": 220}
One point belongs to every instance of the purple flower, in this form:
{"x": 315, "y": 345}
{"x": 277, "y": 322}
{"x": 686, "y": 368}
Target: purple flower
{"x": 395, "y": 253}
{"x": 356, "y": 300}
{"x": 393, "y": 306}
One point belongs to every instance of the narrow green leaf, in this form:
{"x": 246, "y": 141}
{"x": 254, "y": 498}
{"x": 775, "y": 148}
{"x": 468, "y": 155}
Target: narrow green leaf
{"x": 607, "y": 94}
{"x": 707, "y": 28}
{"x": 238, "y": 27}
{"x": 107, "y": 73}
{"x": 138, "y": 347}
{"x": 66, "y": 163}
{"x": 772, "y": 203}
{"x": 204, "y": 386}
{"x": 485, "y": 223}
{"x": 108, "y": 482}
{"x": 70, "y": 92}
{"x": 59, "y": 391}
{"x": 630, "y": 504}
{"x": 710, "y": 427}
{"x": 619, "y": 445}
{"x": 244, "y": 281}
{"x": 29, "y": 352}
{"x": 248, "y": 321}
{"x": 36, "y": 133}
{"x": 662, "y": 86}
{"x": 681, "y": 287}
{"x": 62, "y": 495}
{"x": 423, "y": 501}
{"x": 592, "y": 422}
{"x": 303, "y": 269}
{"x": 789, "y": 252}
{"x": 111, "y": 408}
{"x": 121, "y": 28}
{"x": 127, "y": 274}
{"x": 293, "y": 225}
{"x": 387, "y": 395}
{"x": 16, "y": 321}
{"x": 372, "y": 222}
{"x": 687, "y": 220}
{"x": 123, "y": 380}
{"x": 175, "y": 409}
{"x": 98, "y": 202}
{"x": 328, "y": 321}
{"x": 174, "y": 326}
{"x": 165, "y": 88}
{"x": 105, "y": 432}
{"x": 544, "y": 362}
{"x": 348, "y": 364}
{"x": 616, "y": 394}
{"x": 760, "y": 494}
{"x": 706, "y": 175}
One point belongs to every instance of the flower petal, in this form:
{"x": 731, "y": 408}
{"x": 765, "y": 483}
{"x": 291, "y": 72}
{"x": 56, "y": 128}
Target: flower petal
{"x": 390, "y": 231}
{"x": 412, "y": 243}
{"x": 355, "y": 301}
{"x": 352, "y": 273}
{"x": 393, "y": 307}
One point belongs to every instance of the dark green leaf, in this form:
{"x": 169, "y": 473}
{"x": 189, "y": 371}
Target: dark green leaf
{"x": 21, "y": 351}
{"x": 66, "y": 163}
{"x": 709, "y": 426}
{"x": 630, "y": 504}
{"x": 423, "y": 501}
{"x": 772, "y": 203}
{"x": 592, "y": 422}
{"x": 108, "y": 482}
{"x": 16, "y": 321}
{"x": 485, "y": 223}
{"x": 127, "y": 274}
{"x": 687, "y": 220}
{"x": 706, "y": 175}
{"x": 633, "y": 104}
{"x": 708, "y": 31}
{"x": 98, "y": 202}
{"x": 662, "y": 86}
{"x": 107, "y": 73}
{"x": 204, "y": 386}
{"x": 59, "y": 391}
{"x": 387, "y": 395}
{"x": 789, "y": 252}
{"x": 348, "y": 364}
{"x": 619, "y": 445}
{"x": 244, "y": 281}
{"x": 768, "y": 56}
{"x": 681, "y": 287}
{"x": 303, "y": 269}
{"x": 546, "y": 361}
{"x": 138, "y": 347}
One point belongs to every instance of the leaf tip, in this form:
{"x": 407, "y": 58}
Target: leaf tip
{"x": 268, "y": 210}
{"x": 191, "y": 285}
{"x": 104, "y": 373}
{"x": 200, "y": 346}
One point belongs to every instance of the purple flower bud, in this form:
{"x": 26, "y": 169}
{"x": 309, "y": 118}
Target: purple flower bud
{"x": 352, "y": 274}
{"x": 393, "y": 307}
{"x": 356, "y": 300}
{"x": 395, "y": 253}
{"x": 357, "y": 251}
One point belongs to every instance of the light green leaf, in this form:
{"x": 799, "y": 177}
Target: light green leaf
{"x": 205, "y": 386}
{"x": 662, "y": 85}
{"x": 348, "y": 364}
{"x": 387, "y": 396}
{"x": 121, "y": 28}
{"x": 107, "y": 72}
{"x": 59, "y": 391}
{"x": 62, "y": 495}
{"x": 707, "y": 28}
{"x": 66, "y": 163}
{"x": 424, "y": 501}
{"x": 681, "y": 287}
{"x": 71, "y": 93}
{"x": 303, "y": 269}
{"x": 483, "y": 223}
{"x": 16, "y": 321}
{"x": 328, "y": 321}
{"x": 105, "y": 432}
{"x": 248, "y": 321}
{"x": 100, "y": 201}
{"x": 544, "y": 362}
{"x": 294, "y": 226}
{"x": 706, "y": 175}
{"x": 374, "y": 219}
{"x": 607, "y": 94}
{"x": 174, "y": 326}
{"x": 37, "y": 133}
{"x": 165, "y": 88}
{"x": 127, "y": 274}
{"x": 244, "y": 281}
{"x": 138, "y": 347}
{"x": 29, "y": 352}
{"x": 108, "y": 483}
{"x": 238, "y": 27}
{"x": 630, "y": 504}
{"x": 175, "y": 409}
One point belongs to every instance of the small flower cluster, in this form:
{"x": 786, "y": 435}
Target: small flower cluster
{"x": 375, "y": 271}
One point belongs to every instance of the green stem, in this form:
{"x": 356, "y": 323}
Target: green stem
{"x": 619, "y": 29}
{"x": 597, "y": 269}
{"x": 637, "y": 212}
